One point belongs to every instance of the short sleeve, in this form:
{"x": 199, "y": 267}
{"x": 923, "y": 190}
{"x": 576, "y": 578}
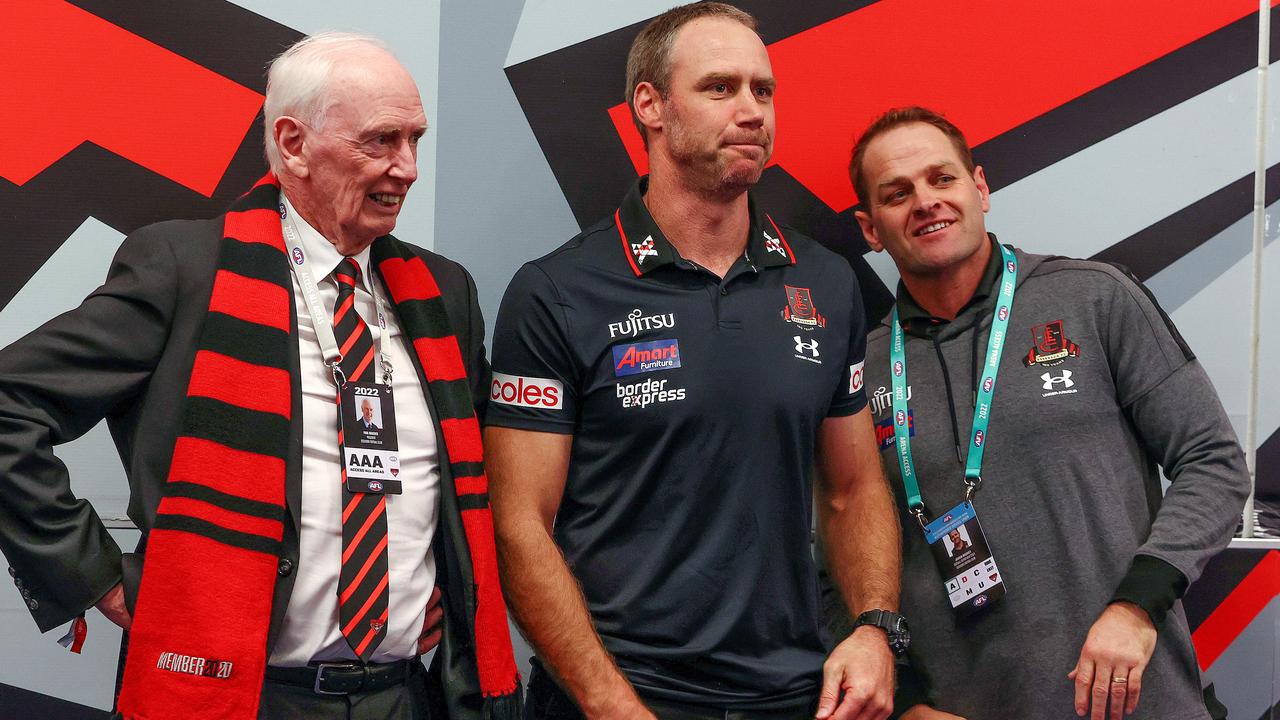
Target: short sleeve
{"x": 535, "y": 376}
{"x": 850, "y": 397}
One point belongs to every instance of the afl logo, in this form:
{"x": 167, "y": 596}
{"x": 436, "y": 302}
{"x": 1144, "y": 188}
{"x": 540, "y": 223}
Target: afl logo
{"x": 375, "y": 486}
{"x": 1004, "y": 312}
{"x": 901, "y": 417}
{"x": 297, "y": 256}
{"x": 897, "y": 368}
{"x": 988, "y": 384}
{"x": 283, "y": 212}
{"x": 1011, "y": 266}
{"x": 980, "y": 601}
{"x": 977, "y": 439}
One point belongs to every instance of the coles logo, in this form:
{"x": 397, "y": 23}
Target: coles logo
{"x": 855, "y": 378}
{"x": 530, "y": 392}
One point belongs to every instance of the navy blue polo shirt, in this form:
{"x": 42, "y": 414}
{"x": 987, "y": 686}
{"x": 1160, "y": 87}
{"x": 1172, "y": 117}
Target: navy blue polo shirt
{"x": 694, "y": 402}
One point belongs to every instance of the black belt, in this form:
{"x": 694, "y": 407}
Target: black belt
{"x": 343, "y": 678}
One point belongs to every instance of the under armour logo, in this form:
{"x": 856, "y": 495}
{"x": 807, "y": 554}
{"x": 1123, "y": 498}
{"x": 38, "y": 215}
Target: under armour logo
{"x": 773, "y": 244}
{"x": 1050, "y": 380}
{"x": 644, "y": 249}
{"x": 810, "y": 347}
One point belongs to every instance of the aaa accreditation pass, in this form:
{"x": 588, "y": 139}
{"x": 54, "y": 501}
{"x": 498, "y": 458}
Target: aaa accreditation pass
{"x": 370, "y": 449}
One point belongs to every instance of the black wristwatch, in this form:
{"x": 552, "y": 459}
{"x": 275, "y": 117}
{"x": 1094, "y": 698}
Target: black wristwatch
{"x": 893, "y": 624}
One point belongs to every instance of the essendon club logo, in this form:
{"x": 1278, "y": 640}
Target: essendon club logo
{"x": 800, "y": 309}
{"x": 1050, "y": 345}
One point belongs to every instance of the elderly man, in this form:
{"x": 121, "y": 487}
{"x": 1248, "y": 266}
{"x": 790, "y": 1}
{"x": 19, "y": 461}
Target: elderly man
{"x": 662, "y": 384}
{"x": 1029, "y": 400}
{"x": 225, "y": 355}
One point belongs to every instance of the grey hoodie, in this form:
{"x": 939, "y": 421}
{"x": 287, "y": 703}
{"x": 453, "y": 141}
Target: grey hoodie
{"x": 1071, "y": 493}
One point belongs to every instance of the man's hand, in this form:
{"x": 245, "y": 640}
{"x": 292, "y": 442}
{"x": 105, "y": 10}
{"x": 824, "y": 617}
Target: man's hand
{"x": 861, "y": 668}
{"x": 1114, "y": 656}
{"x": 924, "y": 712}
{"x": 431, "y": 626}
{"x": 112, "y": 605}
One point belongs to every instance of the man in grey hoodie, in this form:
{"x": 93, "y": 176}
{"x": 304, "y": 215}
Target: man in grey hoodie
{"x": 1080, "y": 560}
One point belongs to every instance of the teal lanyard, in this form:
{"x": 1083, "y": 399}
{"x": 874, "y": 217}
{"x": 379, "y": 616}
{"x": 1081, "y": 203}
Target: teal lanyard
{"x": 986, "y": 389}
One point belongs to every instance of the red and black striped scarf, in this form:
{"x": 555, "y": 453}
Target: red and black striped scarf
{"x": 198, "y": 644}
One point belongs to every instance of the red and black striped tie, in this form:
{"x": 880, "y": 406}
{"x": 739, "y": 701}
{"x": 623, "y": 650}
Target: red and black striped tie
{"x": 362, "y": 585}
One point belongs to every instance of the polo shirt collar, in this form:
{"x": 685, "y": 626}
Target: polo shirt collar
{"x": 646, "y": 248}
{"x": 322, "y": 255}
{"x": 910, "y": 312}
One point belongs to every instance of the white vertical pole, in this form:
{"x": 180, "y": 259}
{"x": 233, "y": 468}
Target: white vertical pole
{"x": 1259, "y": 234}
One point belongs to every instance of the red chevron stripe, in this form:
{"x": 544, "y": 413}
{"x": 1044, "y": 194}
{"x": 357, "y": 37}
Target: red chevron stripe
{"x": 442, "y": 355}
{"x": 409, "y": 279}
{"x": 225, "y": 378}
{"x": 201, "y": 510}
{"x": 71, "y": 77}
{"x": 251, "y": 300}
{"x": 224, "y": 469}
{"x": 1011, "y": 62}
{"x": 1238, "y": 610}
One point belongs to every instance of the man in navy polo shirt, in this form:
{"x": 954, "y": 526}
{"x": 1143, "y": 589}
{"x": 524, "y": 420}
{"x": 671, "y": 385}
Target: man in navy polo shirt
{"x": 663, "y": 384}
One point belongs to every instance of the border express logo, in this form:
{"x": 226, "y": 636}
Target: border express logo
{"x": 636, "y": 358}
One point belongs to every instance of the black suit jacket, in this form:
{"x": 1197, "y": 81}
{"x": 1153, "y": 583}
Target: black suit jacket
{"x": 125, "y": 354}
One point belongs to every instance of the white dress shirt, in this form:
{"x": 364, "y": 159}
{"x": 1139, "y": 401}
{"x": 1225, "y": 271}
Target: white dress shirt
{"x": 310, "y": 630}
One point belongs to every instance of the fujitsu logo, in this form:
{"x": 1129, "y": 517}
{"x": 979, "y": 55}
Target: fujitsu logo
{"x": 637, "y": 323}
{"x": 541, "y": 393}
{"x": 882, "y": 399}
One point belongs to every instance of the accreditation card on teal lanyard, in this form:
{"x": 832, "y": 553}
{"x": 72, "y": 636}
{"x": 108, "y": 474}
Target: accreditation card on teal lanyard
{"x": 955, "y": 537}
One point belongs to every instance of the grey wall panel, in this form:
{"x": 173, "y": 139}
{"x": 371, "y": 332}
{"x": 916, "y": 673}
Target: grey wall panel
{"x": 497, "y": 204}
